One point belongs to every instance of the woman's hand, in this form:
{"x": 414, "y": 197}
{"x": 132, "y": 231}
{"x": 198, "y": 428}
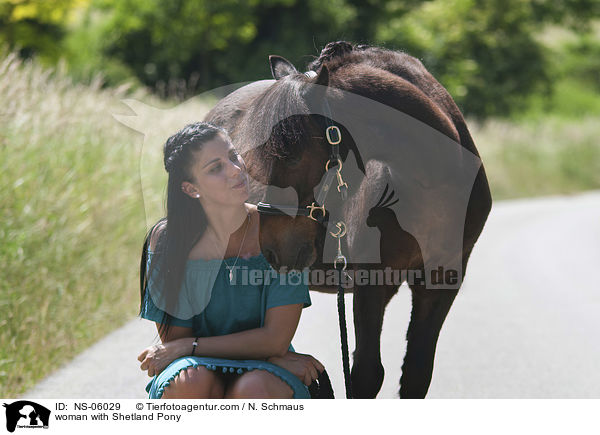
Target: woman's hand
{"x": 156, "y": 358}
{"x": 305, "y": 367}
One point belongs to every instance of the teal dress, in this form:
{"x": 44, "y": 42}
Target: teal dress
{"x": 211, "y": 305}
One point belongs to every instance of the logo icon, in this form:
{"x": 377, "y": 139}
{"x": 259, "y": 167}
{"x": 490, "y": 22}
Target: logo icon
{"x": 26, "y": 414}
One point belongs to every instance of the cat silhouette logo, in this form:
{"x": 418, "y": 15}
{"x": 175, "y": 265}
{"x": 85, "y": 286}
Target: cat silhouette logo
{"x": 26, "y": 414}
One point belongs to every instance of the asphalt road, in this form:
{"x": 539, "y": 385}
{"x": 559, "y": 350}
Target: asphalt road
{"x": 524, "y": 325}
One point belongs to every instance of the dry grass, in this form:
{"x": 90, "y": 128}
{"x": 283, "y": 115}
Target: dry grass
{"x": 540, "y": 157}
{"x": 72, "y": 219}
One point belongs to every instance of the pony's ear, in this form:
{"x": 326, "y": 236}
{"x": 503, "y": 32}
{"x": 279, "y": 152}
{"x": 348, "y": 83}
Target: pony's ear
{"x": 323, "y": 77}
{"x": 281, "y": 67}
{"x": 313, "y": 95}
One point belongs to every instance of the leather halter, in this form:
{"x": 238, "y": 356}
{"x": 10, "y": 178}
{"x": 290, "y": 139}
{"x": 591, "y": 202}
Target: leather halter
{"x": 333, "y": 168}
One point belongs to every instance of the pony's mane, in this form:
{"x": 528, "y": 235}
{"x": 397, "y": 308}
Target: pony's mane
{"x": 284, "y": 141}
{"x": 341, "y": 52}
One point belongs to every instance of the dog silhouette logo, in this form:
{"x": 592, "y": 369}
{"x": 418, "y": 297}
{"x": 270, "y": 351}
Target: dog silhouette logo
{"x": 26, "y": 414}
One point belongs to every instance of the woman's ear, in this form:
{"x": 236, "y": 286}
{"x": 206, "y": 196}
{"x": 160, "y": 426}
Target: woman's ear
{"x": 189, "y": 189}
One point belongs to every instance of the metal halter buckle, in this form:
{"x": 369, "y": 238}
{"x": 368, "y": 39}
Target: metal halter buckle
{"x": 341, "y": 182}
{"x": 338, "y": 134}
{"x": 341, "y": 226}
{"x": 338, "y": 259}
{"x": 314, "y": 207}
{"x": 339, "y": 165}
{"x": 341, "y": 232}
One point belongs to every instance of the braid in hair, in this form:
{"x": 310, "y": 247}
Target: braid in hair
{"x": 331, "y": 51}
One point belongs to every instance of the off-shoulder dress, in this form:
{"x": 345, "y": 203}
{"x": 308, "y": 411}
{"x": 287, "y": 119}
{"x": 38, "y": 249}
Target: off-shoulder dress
{"x": 212, "y": 305}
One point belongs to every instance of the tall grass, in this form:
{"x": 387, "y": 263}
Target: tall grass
{"x": 72, "y": 219}
{"x": 543, "y": 156}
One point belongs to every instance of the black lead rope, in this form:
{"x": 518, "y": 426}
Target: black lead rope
{"x": 268, "y": 208}
{"x": 341, "y": 304}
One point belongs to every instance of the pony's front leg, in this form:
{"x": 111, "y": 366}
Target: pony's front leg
{"x": 429, "y": 310}
{"x": 367, "y": 371}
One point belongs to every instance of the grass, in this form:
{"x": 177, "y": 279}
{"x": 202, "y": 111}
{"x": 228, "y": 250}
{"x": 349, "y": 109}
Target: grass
{"x": 545, "y": 156}
{"x": 74, "y": 211}
{"x": 72, "y": 220}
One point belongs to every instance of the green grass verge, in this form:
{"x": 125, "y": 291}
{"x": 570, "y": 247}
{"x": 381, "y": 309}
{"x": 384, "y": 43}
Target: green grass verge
{"x": 545, "y": 156}
{"x": 72, "y": 220}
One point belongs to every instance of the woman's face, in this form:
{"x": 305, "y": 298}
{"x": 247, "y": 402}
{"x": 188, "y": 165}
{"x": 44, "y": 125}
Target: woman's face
{"x": 219, "y": 174}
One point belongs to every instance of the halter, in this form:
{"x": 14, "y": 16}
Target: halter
{"x": 333, "y": 169}
{"x": 334, "y": 137}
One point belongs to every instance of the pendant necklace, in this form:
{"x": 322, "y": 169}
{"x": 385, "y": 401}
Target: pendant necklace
{"x": 238, "y": 254}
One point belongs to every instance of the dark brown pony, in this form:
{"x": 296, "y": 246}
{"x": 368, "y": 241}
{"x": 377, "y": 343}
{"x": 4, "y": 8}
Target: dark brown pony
{"x": 398, "y": 203}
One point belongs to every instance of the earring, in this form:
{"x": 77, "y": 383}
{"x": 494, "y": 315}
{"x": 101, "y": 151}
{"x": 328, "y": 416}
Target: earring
{"x": 197, "y": 196}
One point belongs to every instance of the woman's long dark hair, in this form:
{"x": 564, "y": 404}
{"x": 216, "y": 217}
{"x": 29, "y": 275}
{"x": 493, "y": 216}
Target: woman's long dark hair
{"x": 185, "y": 221}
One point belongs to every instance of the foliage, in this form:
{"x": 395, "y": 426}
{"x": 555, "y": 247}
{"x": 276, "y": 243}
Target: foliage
{"x": 209, "y": 43}
{"x": 484, "y": 51}
{"x": 36, "y": 27}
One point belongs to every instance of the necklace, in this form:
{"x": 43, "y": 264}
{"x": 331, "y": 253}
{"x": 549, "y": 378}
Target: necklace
{"x": 239, "y": 250}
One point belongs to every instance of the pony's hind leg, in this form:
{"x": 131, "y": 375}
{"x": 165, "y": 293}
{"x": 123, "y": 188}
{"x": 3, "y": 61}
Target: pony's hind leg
{"x": 367, "y": 371}
{"x": 429, "y": 310}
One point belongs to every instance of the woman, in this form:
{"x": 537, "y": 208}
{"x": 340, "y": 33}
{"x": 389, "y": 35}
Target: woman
{"x": 221, "y": 337}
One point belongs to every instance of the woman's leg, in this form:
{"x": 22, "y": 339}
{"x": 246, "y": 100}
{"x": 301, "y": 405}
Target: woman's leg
{"x": 195, "y": 383}
{"x": 258, "y": 384}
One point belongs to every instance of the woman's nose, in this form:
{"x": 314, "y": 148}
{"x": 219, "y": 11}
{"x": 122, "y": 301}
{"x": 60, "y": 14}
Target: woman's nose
{"x": 235, "y": 169}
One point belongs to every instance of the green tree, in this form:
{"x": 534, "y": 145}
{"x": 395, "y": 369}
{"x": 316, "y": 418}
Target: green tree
{"x": 36, "y": 27}
{"x": 211, "y": 43}
{"x": 484, "y": 51}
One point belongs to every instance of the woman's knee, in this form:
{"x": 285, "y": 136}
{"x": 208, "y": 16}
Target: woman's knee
{"x": 195, "y": 383}
{"x": 258, "y": 384}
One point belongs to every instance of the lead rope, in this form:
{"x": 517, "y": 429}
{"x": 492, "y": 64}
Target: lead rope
{"x": 344, "y": 339}
{"x": 342, "y": 187}
{"x": 341, "y": 304}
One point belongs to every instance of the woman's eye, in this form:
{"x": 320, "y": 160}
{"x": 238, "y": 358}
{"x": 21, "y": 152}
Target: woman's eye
{"x": 216, "y": 168}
